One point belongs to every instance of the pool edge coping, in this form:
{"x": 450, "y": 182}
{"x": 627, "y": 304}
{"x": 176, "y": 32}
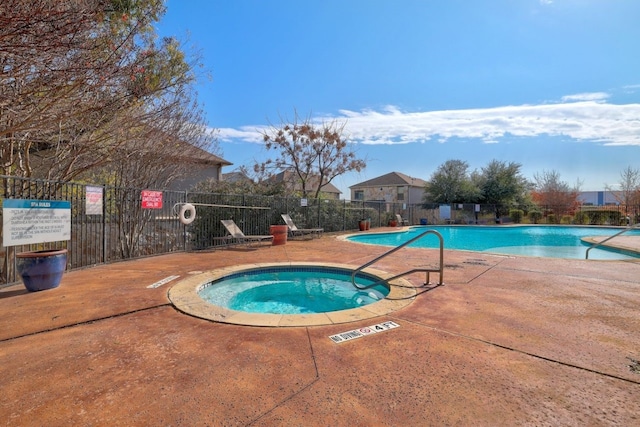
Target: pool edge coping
{"x": 184, "y": 296}
{"x": 596, "y": 242}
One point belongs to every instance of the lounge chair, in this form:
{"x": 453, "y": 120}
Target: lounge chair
{"x": 295, "y": 231}
{"x": 402, "y": 221}
{"x": 240, "y": 237}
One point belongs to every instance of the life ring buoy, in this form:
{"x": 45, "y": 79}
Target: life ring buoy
{"x": 187, "y": 207}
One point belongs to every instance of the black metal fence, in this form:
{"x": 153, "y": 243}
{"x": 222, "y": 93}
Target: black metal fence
{"x": 124, "y": 229}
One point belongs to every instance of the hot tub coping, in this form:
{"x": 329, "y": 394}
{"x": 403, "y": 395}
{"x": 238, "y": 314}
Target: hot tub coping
{"x": 184, "y": 296}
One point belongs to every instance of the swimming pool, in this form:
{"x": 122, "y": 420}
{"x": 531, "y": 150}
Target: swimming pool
{"x": 530, "y": 240}
{"x": 261, "y": 295}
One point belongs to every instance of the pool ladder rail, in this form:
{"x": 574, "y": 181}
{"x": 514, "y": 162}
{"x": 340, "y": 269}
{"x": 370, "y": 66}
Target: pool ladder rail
{"x": 596, "y": 244}
{"x": 439, "y": 270}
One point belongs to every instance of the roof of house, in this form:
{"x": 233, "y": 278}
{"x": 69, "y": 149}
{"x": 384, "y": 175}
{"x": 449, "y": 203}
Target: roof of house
{"x": 391, "y": 179}
{"x": 198, "y": 154}
{"x": 330, "y": 188}
{"x": 235, "y": 176}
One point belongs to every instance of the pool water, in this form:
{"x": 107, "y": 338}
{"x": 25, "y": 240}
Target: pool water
{"x": 287, "y": 290}
{"x": 540, "y": 241}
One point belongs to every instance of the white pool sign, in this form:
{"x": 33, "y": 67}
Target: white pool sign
{"x": 26, "y": 222}
{"x": 162, "y": 282}
{"x": 363, "y": 332}
{"x": 93, "y": 196}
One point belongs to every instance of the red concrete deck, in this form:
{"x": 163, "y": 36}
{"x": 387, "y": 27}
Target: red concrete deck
{"x": 506, "y": 341}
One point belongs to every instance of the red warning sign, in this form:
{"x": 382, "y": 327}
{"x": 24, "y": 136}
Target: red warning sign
{"x": 151, "y": 199}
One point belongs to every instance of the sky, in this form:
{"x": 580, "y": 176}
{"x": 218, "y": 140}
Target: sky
{"x": 553, "y": 85}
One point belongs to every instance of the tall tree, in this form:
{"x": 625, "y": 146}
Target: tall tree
{"x": 451, "y": 183}
{"x": 79, "y": 79}
{"x": 315, "y": 153}
{"x": 87, "y": 88}
{"x": 502, "y": 185}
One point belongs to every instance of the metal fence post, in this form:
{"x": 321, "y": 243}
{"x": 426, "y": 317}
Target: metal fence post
{"x": 104, "y": 224}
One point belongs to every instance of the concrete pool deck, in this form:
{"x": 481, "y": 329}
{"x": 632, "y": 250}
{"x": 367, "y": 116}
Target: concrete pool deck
{"x": 506, "y": 341}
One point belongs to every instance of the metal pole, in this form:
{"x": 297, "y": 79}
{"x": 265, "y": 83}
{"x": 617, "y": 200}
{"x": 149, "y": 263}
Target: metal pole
{"x": 104, "y": 224}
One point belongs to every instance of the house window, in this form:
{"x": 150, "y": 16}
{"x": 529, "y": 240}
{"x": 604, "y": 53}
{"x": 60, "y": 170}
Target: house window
{"x": 358, "y": 195}
{"x": 401, "y": 193}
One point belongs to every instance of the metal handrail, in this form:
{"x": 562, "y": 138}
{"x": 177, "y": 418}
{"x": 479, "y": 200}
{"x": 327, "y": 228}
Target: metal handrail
{"x": 408, "y": 242}
{"x": 596, "y": 244}
{"x": 175, "y": 206}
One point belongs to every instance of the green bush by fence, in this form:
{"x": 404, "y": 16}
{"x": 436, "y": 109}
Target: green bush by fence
{"x": 604, "y": 217}
{"x": 516, "y": 215}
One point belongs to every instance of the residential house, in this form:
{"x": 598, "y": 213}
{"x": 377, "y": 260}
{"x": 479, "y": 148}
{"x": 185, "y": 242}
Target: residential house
{"x": 236, "y": 177}
{"x": 394, "y": 187}
{"x": 202, "y": 166}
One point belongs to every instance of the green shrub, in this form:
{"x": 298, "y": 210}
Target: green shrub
{"x": 566, "y": 219}
{"x": 535, "y": 216}
{"x": 581, "y": 217}
{"x": 516, "y": 215}
{"x": 552, "y": 219}
{"x": 601, "y": 217}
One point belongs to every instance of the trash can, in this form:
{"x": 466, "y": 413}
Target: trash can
{"x": 279, "y": 233}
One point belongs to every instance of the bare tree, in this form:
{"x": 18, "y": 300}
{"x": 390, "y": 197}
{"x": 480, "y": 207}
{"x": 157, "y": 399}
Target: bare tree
{"x": 79, "y": 79}
{"x": 315, "y": 153}
{"x": 629, "y": 193}
{"x": 554, "y": 194}
{"x": 58, "y": 69}
{"x": 86, "y": 87}
{"x": 162, "y": 146}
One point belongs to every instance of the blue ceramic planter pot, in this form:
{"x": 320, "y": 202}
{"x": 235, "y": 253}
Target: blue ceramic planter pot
{"x": 41, "y": 270}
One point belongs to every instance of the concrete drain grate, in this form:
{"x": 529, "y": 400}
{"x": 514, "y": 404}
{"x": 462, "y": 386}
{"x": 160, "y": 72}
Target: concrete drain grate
{"x": 475, "y": 261}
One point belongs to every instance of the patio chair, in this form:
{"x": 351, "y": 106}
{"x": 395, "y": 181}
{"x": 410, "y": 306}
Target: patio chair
{"x": 402, "y": 221}
{"x": 240, "y": 237}
{"x": 295, "y": 231}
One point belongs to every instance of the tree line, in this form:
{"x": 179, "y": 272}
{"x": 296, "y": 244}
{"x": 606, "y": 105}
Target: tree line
{"x": 502, "y": 184}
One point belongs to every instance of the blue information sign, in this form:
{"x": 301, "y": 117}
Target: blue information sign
{"x": 27, "y": 222}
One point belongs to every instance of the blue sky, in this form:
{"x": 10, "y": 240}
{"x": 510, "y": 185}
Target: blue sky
{"x": 549, "y": 84}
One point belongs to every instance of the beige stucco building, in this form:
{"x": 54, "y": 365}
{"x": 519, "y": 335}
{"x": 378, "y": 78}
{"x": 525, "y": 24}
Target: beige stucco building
{"x": 394, "y": 187}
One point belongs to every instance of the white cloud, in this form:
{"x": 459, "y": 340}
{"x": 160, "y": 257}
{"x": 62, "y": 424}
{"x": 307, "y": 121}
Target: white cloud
{"x": 631, "y": 88}
{"x": 245, "y": 133}
{"x": 583, "y": 120}
{"x": 590, "y": 96}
